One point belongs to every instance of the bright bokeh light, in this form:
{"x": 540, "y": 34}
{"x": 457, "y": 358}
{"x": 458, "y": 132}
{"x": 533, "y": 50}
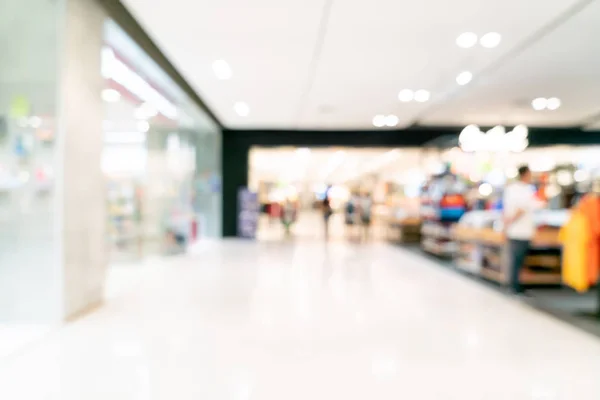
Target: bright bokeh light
{"x": 466, "y": 40}
{"x": 222, "y": 69}
{"x": 464, "y": 78}
{"x": 143, "y": 126}
{"x": 490, "y": 40}
{"x": 379, "y": 120}
{"x": 553, "y": 103}
{"x": 406, "y": 95}
{"x": 391, "y": 120}
{"x": 539, "y": 104}
{"x": 485, "y": 189}
{"x": 242, "y": 109}
{"x": 422, "y": 96}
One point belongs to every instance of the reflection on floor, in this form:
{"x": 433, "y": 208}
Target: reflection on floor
{"x": 16, "y": 336}
{"x": 306, "y": 320}
{"x": 310, "y": 226}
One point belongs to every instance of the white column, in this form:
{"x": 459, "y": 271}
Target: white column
{"x": 81, "y": 215}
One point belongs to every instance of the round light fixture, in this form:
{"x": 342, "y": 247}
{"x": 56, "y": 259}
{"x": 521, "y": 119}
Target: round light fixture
{"x": 422, "y": 96}
{"x": 242, "y": 109}
{"x": 111, "y": 95}
{"x": 464, "y": 78}
{"x": 466, "y": 40}
{"x": 391, "y": 120}
{"x": 490, "y": 40}
{"x": 379, "y": 121}
{"x": 222, "y": 70}
{"x": 553, "y": 103}
{"x": 539, "y": 104}
{"x": 406, "y": 95}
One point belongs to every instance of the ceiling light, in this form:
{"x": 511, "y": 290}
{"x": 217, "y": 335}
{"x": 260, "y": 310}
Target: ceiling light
{"x": 222, "y": 70}
{"x": 379, "y": 121}
{"x": 391, "y": 120}
{"x": 539, "y": 104}
{"x": 466, "y": 40}
{"x": 111, "y": 95}
{"x": 143, "y": 126}
{"x": 490, "y": 40}
{"x": 406, "y": 95}
{"x": 422, "y": 96}
{"x": 464, "y": 77}
{"x": 553, "y": 103}
{"x": 242, "y": 109}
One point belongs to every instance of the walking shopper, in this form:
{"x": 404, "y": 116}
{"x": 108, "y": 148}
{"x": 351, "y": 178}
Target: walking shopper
{"x": 519, "y": 225}
{"x": 366, "y": 204}
{"x": 327, "y": 211}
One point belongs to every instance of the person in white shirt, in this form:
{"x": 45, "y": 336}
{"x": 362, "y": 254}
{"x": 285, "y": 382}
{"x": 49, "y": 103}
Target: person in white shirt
{"x": 519, "y": 224}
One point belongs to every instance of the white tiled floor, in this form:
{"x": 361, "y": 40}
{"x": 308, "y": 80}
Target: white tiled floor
{"x": 272, "y": 321}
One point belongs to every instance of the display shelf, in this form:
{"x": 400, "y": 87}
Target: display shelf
{"x": 404, "y": 230}
{"x": 542, "y": 265}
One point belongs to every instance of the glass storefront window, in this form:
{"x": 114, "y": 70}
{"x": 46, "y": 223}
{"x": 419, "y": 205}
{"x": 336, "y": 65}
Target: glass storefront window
{"x": 161, "y": 156}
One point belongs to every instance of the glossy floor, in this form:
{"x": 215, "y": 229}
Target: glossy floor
{"x": 308, "y": 320}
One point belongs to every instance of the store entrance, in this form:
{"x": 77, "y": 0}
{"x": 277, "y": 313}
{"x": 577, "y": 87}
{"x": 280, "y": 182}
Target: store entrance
{"x": 333, "y": 193}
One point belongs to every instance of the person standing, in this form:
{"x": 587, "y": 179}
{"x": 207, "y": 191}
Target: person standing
{"x": 519, "y": 224}
{"x": 327, "y": 211}
{"x": 366, "y": 204}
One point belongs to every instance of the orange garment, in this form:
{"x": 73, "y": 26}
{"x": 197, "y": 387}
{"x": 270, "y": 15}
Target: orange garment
{"x": 575, "y": 237}
{"x": 590, "y": 208}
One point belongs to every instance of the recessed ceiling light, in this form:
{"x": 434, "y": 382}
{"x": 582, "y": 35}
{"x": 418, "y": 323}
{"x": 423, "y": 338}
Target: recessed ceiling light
{"x": 111, "y": 95}
{"x": 466, "y": 40}
{"x": 242, "y": 109}
{"x": 539, "y": 104}
{"x": 379, "y": 121}
{"x": 422, "y": 96}
{"x": 406, "y": 95}
{"x": 222, "y": 69}
{"x": 464, "y": 77}
{"x": 391, "y": 120}
{"x": 490, "y": 40}
{"x": 553, "y": 103}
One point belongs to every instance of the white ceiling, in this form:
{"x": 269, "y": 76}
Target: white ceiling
{"x": 334, "y": 64}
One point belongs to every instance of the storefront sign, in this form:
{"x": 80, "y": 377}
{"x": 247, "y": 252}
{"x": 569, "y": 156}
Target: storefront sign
{"x": 248, "y": 212}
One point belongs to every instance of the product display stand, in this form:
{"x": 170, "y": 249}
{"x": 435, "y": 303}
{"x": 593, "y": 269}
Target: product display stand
{"x": 436, "y": 238}
{"x": 404, "y": 230}
{"x": 542, "y": 266}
